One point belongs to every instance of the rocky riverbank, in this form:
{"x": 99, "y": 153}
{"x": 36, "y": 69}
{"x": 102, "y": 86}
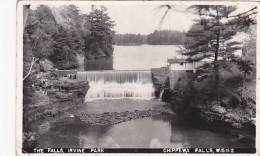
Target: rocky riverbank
{"x": 80, "y": 118}
{"x": 54, "y": 96}
{"x": 232, "y": 114}
{"x": 48, "y": 97}
{"x": 52, "y": 100}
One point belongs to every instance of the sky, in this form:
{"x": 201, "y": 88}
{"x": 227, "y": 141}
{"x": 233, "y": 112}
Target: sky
{"x": 144, "y": 19}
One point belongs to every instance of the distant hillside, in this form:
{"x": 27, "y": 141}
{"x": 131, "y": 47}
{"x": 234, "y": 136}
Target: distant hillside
{"x": 162, "y": 37}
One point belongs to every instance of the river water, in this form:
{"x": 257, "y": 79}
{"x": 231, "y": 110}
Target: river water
{"x": 128, "y": 89}
{"x": 149, "y": 132}
{"x": 143, "y": 57}
{"x": 131, "y": 77}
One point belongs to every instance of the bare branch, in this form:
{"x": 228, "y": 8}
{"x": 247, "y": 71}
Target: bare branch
{"x": 238, "y": 15}
{"x": 30, "y": 70}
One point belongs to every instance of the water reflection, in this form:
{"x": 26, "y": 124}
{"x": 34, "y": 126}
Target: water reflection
{"x": 156, "y": 132}
{"x": 143, "y": 57}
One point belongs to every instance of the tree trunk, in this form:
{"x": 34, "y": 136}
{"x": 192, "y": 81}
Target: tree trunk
{"x": 216, "y": 66}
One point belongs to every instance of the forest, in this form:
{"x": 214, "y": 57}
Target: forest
{"x": 222, "y": 91}
{"x": 158, "y": 37}
{"x": 54, "y": 38}
{"x": 61, "y": 34}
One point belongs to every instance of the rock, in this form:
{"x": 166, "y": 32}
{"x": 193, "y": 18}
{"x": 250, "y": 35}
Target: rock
{"x": 46, "y": 65}
{"x": 232, "y": 117}
{"x": 218, "y": 109}
{"x": 59, "y": 96}
{"x": 252, "y": 122}
{"x": 110, "y": 118}
{"x": 54, "y": 97}
{"x": 65, "y": 89}
{"x": 29, "y": 139}
{"x": 44, "y": 127}
{"x": 236, "y": 125}
{"x": 159, "y": 78}
{"x": 166, "y": 96}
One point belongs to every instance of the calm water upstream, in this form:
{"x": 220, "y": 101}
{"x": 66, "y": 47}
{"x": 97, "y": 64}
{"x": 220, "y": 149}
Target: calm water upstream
{"x": 143, "y": 57}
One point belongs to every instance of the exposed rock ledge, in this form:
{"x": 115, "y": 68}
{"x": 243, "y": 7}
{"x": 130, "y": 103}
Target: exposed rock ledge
{"x": 159, "y": 78}
{"x": 54, "y": 96}
{"x": 48, "y": 98}
{"x": 235, "y": 122}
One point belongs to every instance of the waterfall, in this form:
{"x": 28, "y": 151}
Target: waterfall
{"x": 116, "y": 84}
{"x": 161, "y": 94}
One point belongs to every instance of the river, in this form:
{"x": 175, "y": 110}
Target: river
{"x": 143, "y": 57}
{"x": 126, "y": 89}
{"x": 148, "y": 132}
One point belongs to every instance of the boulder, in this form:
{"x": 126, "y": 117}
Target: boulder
{"x": 46, "y": 65}
{"x": 218, "y": 109}
{"x": 65, "y": 89}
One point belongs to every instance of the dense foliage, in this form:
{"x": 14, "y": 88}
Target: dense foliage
{"x": 211, "y": 38}
{"x": 166, "y": 37}
{"x": 98, "y": 43}
{"x": 129, "y": 39}
{"x": 60, "y": 34}
{"x": 100, "y": 38}
{"x": 162, "y": 37}
{"x": 226, "y": 78}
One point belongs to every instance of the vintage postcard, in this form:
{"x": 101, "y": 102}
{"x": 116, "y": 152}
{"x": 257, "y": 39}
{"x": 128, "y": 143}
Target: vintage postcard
{"x": 174, "y": 77}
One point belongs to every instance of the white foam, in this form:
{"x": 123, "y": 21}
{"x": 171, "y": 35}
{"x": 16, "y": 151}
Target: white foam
{"x": 118, "y": 84}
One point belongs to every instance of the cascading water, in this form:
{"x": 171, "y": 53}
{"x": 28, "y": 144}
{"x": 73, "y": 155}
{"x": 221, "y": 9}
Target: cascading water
{"x": 118, "y": 84}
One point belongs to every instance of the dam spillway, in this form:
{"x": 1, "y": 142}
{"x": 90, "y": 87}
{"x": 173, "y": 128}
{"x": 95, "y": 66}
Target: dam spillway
{"x": 118, "y": 84}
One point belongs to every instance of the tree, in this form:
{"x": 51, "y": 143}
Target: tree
{"x": 64, "y": 54}
{"x": 166, "y": 37}
{"x": 247, "y": 63}
{"x": 129, "y": 39}
{"x": 45, "y": 37}
{"x": 39, "y": 28}
{"x": 98, "y": 42}
{"x": 38, "y": 41}
{"x": 210, "y": 36}
{"x": 70, "y": 19}
{"x": 162, "y": 37}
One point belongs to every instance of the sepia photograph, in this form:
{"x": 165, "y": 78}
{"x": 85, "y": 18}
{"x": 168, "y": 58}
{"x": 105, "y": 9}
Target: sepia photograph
{"x": 136, "y": 77}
